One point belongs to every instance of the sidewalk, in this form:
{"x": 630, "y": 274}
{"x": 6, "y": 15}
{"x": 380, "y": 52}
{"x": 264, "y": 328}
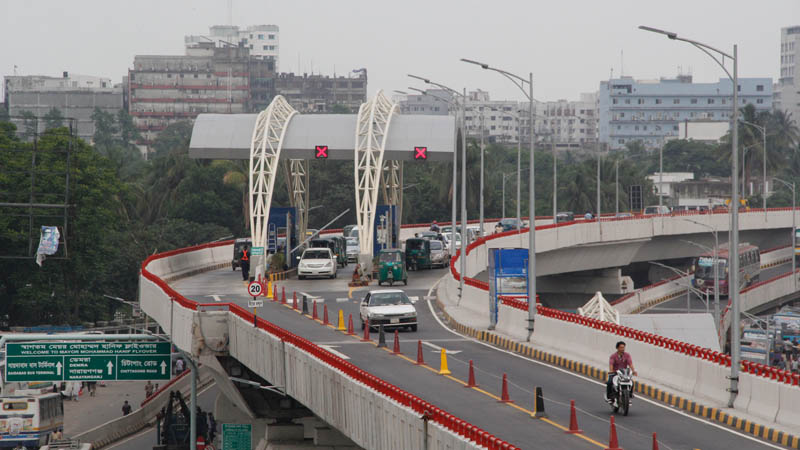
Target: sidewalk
{"x": 471, "y": 323}
{"x": 89, "y": 412}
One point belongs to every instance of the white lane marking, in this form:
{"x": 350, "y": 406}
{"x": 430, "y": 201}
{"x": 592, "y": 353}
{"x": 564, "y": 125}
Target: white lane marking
{"x": 215, "y": 297}
{"x": 413, "y": 298}
{"x": 342, "y": 300}
{"x": 438, "y": 349}
{"x": 330, "y": 348}
{"x": 311, "y": 297}
{"x": 639, "y": 397}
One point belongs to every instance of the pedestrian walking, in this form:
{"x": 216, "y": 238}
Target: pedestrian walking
{"x": 179, "y": 366}
{"x": 126, "y": 408}
{"x": 148, "y": 389}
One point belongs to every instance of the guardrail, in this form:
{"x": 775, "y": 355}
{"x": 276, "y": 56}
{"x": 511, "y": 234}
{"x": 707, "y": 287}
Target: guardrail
{"x": 309, "y": 361}
{"x": 686, "y": 367}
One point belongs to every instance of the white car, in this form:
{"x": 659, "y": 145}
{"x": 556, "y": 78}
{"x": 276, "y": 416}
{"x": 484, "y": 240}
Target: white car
{"x": 388, "y": 307}
{"x": 448, "y": 243}
{"x": 352, "y": 249}
{"x": 439, "y": 253}
{"x": 317, "y": 262}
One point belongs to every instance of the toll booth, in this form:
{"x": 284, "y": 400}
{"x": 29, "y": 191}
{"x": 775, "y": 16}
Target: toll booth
{"x": 386, "y": 230}
{"x": 280, "y": 237}
{"x": 508, "y": 276}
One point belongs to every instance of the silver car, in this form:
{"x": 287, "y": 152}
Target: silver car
{"x": 352, "y": 249}
{"x": 439, "y": 254}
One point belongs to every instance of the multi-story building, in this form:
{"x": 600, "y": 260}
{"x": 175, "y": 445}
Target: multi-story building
{"x": 164, "y": 89}
{"x": 263, "y": 41}
{"x": 506, "y": 121}
{"x": 319, "y": 93}
{"x": 75, "y": 96}
{"x": 650, "y": 111}
{"x": 788, "y": 86}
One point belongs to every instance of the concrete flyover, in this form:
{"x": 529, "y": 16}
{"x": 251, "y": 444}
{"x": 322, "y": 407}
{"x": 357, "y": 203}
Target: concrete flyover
{"x": 767, "y": 396}
{"x": 369, "y": 411}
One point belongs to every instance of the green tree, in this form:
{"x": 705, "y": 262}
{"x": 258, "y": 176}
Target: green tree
{"x": 105, "y": 130}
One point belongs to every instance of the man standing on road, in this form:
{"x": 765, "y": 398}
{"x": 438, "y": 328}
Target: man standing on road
{"x": 126, "y": 408}
{"x": 245, "y": 263}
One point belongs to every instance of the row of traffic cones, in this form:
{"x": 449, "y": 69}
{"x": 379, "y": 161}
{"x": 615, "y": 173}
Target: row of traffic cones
{"x": 538, "y": 410}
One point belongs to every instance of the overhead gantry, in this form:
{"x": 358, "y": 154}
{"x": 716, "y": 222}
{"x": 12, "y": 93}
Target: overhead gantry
{"x": 382, "y": 141}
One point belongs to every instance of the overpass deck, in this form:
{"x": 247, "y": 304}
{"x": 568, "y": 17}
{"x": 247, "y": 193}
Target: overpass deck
{"x": 480, "y": 406}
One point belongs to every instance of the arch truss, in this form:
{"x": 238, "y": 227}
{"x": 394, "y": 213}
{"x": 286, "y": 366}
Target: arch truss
{"x": 298, "y": 192}
{"x": 265, "y": 151}
{"x": 372, "y": 129}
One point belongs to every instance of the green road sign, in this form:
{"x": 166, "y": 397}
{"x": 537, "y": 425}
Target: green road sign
{"x": 257, "y": 251}
{"x": 237, "y": 436}
{"x": 90, "y": 361}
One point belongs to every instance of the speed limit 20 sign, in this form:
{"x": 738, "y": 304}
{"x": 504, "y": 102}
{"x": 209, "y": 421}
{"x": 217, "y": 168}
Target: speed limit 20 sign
{"x": 254, "y": 288}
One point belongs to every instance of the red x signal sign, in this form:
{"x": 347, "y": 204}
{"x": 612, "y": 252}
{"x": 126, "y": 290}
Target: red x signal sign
{"x": 420, "y": 152}
{"x": 322, "y": 151}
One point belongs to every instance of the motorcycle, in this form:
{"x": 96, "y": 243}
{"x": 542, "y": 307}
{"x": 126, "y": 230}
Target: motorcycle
{"x": 623, "y": 391}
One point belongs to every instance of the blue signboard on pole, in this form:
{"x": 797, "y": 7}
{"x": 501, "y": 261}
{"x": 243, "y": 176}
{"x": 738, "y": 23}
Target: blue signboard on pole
{"x": 508, "y": 275}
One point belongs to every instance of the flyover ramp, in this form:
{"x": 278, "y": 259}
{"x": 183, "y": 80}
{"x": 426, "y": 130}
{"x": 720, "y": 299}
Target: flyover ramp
{"x": 675, "y": 429}
{"x": 370, "y": 411}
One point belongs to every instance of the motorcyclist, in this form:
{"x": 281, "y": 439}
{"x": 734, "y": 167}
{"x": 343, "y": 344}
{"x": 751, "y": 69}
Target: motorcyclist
{"x": 618, "y": 360}
{"x": 435, "y": 226}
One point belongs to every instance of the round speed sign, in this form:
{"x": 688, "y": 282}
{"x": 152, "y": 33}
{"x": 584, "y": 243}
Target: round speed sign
{"x": 254, "y": 288}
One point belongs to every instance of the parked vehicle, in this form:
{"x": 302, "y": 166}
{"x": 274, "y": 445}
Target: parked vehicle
{"x": 239, "y": 246}
{"x": 319, "y": 262}
{"x": 623, "y": 389}
{"x": 565, "y": 216}
{"x": 418, "y": 253}
{"x": 388, "y": 307}
{"x": 429, "y": 235}
{"x": 656, "y": 209}
{"x": 439, "y": 254}
{"x": 749, "y": 268}
{"x": 392, "y": 267}
{"x": 623, "y": 215}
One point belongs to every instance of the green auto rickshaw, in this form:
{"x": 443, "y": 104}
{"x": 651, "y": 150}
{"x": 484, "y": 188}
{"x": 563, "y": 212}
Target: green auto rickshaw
{"x": 391, "y": 267}
{"x": 418, "y": 254}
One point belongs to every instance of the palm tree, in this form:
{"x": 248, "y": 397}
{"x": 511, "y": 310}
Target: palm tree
{"x": 237, "y": 175}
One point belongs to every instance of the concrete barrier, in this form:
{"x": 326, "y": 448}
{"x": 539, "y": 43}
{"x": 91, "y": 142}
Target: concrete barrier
{"x": 764, "y": 398}
{"x": 369, "y": 411}
{"x": 789, "y": 411}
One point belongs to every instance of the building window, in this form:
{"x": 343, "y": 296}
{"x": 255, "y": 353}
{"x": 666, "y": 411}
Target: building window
{"x": 760, "y": 87}
{"x": 614, "y": 101}
{"x": 266, "y": 47}
{"x": 621, "y": 141}
{"x": 208, "y": 75}
{"x": 658, "y": 101}
{"x": 675, "y": 128}
{"x": 271, "y": 37}
{"x": 724, "y": 101}
{"x": 622, "y": 114}
{"x": 760, "y": 101}
{"x": 676, "y": 101}
{"x": 195, "y": 91}
{"x": 711, "y": 101}
{"x": 694, "y": 101}
{"x": 195, "y": 75}
{"x": 261, "y": 37}
{"x": 169, "y": 75}
{"x": 640, "y": 101}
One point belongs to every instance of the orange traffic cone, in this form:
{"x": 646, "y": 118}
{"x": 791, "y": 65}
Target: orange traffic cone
{"x": 396, "y": 349}
{"x": 420, "y": 358}
{"x": 655, "y": 442}
{"x": 613, "y": 443}
{"x": 294, "y": 301}
{"x": 471, "y": 380}
{"x": 283, "y": 295}
{"x": 314, "y": 311}
{"x": 504, "y": 396}
{"x": 350, "y": 325}
{"x": 573, "y": 420}
{"x": 366, "y": 332}
{"x": 325, "y": 314}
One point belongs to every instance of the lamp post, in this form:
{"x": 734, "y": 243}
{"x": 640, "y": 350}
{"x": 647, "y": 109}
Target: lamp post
{"x": 794, "y": 227}
{"x": 504, "y": 176}
{"x": 719, "y": 58}
{"x": 716, "y": 266}
{"x": 480, "y": 232}
{"x": 763, "y": 130}
{"x": 616, "y": 187}
{"x": 555, "y": 179}
{"x": 744, "y": 156}
{"x": 682, "y": 274}
{"x": 463, "y": 97}
{"x": 520, "y": 82}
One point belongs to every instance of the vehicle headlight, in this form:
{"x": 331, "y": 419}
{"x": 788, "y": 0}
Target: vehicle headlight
{"x": 329, "y": 264}
{"x": 412, "y": 315}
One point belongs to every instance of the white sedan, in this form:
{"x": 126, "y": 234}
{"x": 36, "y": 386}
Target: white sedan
{"x": 317, "y": 262}
{"x": 388, "y": 307}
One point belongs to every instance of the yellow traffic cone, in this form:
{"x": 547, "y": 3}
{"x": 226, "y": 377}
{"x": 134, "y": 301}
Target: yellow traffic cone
{"x": 341, "y": 327}
{"x": 443, "y": 370}
{"x": 269, "y": 289}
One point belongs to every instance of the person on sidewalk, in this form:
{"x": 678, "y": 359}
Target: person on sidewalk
{"x": 126, "y": 408}
{"x": 148, "y": 389}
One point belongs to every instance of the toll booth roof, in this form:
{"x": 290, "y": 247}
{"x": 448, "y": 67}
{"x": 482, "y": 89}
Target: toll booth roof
{"x": 229, "y": 136}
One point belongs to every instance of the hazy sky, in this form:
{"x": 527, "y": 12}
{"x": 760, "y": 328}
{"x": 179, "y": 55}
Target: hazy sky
{"x": 568, "y": 45}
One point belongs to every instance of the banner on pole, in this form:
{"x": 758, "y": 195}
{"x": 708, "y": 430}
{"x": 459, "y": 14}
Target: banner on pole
{"x": 48, "y": 243}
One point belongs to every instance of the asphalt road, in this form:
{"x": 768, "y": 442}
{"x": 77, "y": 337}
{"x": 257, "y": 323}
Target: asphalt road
{"x": 676, "y": 430}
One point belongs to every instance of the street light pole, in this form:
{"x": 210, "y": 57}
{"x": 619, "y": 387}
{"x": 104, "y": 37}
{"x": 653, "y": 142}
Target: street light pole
{"x": 794, "y": 227}
{"x": 734, "y": 219}
{"x": 555, "y": 180}
{"x": 463, "y": 257}
{"x": 480, "y": 232}
{"x": 519, "y": 82}
{"x": 660, "y": 178}
{"x": 598, "y": 183}
{"x": 616, "y": 187}
{"x": 519, "y": 173}
{"x": 763, "y": 130}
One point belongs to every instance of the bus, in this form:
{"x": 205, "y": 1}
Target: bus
{"x": 749, "y": 268}
{"x": 30, "y": 420}
{"x": 797, "y": 245}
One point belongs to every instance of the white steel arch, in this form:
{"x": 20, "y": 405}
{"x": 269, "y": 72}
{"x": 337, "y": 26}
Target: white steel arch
{"x": 372, "y": 129}
{"x": 265, "y": 151}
